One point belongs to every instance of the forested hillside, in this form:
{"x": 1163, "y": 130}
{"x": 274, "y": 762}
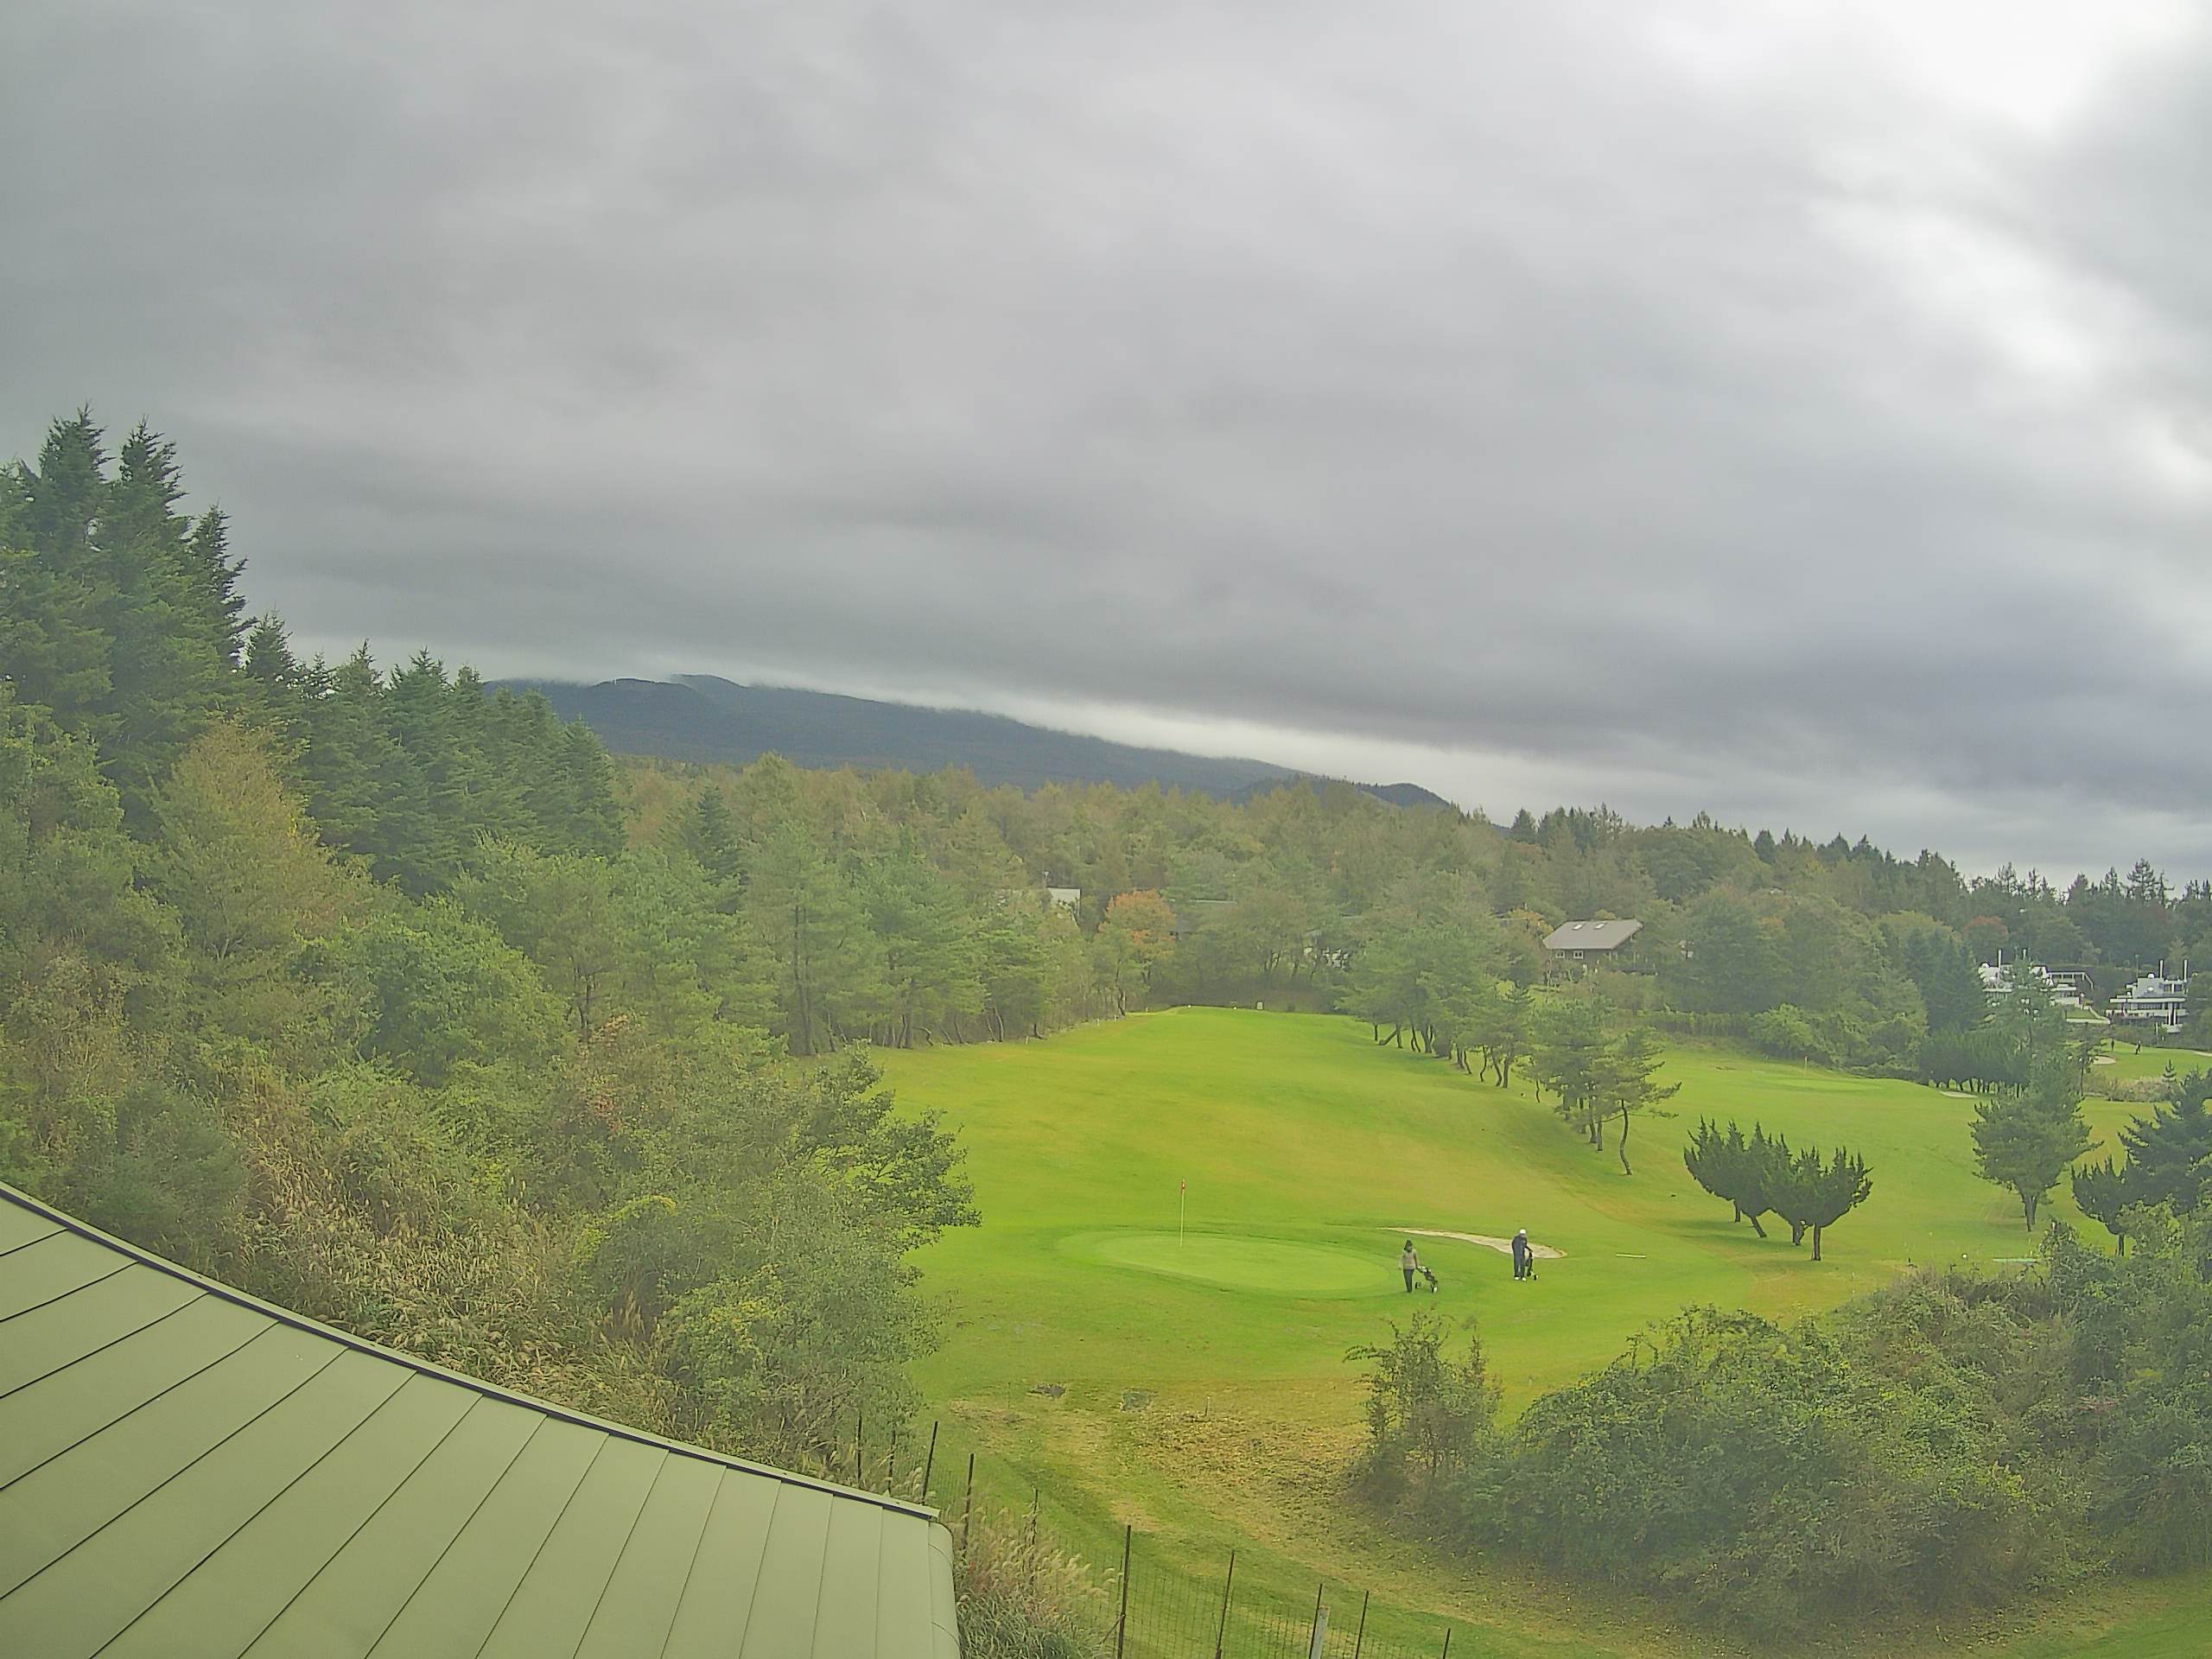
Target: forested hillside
{"x": 1833, "y": 951}
{"x": 345, "y": 987}
{"x": 703, "y": 717}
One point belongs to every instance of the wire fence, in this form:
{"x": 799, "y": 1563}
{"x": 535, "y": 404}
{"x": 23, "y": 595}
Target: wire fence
{"x": 1150, "y": 1607}
{"x": 1160, "y": 1612}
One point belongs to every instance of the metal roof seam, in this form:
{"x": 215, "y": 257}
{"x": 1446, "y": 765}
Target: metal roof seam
{"x": 64, "y": 1295}
{"x": 822, "y": 1582}
{"x": 314, "y": 1464}
{"x": 521, "y": 1578}
{"x": 759, "y": 1565}
{"x": 706, "y": 1524}
{"x": 296, "y": 1321}
{"x": 359, "y": 1530}
{"x": 614, "y": 1567}
{"x": 428, "y": 1451}
{"x": 25, "y": 1243}
{"x": 475, "y": 1509}
{"x": 189, "y": 1463}
{"x": 124, "y": 1335}
{"x": 160, "y": 1394}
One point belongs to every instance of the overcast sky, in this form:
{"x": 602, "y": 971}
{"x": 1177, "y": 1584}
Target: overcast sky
{"x": 1801, "y": 411}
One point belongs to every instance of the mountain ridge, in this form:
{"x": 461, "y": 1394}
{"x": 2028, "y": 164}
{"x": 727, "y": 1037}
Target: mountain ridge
{"x": 705, "y": 718}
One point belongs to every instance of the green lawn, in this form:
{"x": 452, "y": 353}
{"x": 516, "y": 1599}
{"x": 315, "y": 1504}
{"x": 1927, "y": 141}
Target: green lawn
{"x": 2129, "y": 1063}
{"x": 1188, "y": 1375}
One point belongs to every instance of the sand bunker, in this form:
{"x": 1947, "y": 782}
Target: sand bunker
{"x": 1504, "y": 1246}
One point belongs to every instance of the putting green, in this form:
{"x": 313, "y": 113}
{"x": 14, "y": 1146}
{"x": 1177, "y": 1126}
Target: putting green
{"x": 1273, "y": 1265}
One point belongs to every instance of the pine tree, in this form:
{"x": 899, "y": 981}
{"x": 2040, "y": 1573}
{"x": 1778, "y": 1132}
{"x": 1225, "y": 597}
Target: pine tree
{"x": 214, "y": 576}
{"x": 2105, "y": 1192}
{"x": 709, "y": 833}
{"x": 809, "y": 922}
{"x": 1812, "y": 1196}
{"x": 172, "y": 658}
{"x": 1627, "y": 1081}
{"x": 2170, "y": 1153}
{"x": 2024, "y": 1141}
{"x": 62, "y": 495}
{"x": 1570, "y": 1061}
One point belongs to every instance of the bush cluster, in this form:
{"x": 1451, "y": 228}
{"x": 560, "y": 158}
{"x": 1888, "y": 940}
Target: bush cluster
{"x": 1952, "y": 1443}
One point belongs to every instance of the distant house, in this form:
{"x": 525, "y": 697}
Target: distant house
{"x": 2154, "y": 1000}
{"x": 1579, "y": 943}
{"x": 2070, "y": 988}
{"x": 1046, "y": 898}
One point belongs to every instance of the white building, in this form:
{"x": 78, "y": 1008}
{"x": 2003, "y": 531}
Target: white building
{"x": 2070, "y": 988}
{"x": 2155, "y": 1000}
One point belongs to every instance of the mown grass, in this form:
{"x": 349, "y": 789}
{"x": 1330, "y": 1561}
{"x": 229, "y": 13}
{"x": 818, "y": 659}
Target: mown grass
{"x": 1200, "y": 1392}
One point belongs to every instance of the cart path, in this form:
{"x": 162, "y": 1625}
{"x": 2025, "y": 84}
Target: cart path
{"x": 1504, "y": 1246}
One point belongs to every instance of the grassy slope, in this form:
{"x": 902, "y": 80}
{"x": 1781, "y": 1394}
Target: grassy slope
{"x": 1298, "y": 1128}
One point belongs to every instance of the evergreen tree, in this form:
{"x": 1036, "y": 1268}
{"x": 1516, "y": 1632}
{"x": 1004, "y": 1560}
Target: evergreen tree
{"x": 214, "y": 576}
{"x": 1814, "y": 1195}
{"x": 2170, "y": 1153}
{"x": 2105, "y": 1192}
{"x": 2024, "y": 1141}
{"x": 1570, "y": 1060}
{"x": 1943, "y": 971}
{"x": 929, "y": 948}
{"x": 1627, "y": 1081}
{"x": 809, "y": 920}
{"x": 709, "y": 833}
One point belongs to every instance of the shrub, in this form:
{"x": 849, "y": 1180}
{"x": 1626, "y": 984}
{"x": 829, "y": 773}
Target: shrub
{"x": 1019, "y": 1598}
{"x": 1429, "y": 1418}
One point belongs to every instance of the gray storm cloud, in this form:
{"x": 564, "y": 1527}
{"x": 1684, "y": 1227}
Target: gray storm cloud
{"x": 1801, "y": 411}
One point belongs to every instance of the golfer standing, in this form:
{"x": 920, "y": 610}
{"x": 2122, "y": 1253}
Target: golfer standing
{"x": 1521, "y": 1254}
{"x": 1408, "y": 1264}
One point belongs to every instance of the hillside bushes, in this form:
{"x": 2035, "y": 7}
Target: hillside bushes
{"x": 1952, "y": 1442}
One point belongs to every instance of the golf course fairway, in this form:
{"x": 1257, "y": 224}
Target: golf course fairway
{"x": 1196, "y": 1388}
{"x": 1265, "y": 1266}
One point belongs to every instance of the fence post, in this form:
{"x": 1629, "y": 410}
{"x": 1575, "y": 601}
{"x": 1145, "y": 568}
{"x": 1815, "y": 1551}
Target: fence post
{"x": 1229, "y": 1583}
{"x": 1320, "y": 1632}
{"x": 1122, "y": 1623}
{"x": 1360, "y": 1640}
{"x": 931, "y": 1464}
{"x": 968, "y": 1516}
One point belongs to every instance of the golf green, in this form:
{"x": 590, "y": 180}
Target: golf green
{"x": 1272, "y": 1266}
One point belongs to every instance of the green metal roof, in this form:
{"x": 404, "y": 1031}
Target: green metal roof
{"x": 188, "y": 1472}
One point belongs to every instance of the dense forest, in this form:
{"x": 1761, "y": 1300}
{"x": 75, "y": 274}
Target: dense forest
{"x": 1838, "y": 953}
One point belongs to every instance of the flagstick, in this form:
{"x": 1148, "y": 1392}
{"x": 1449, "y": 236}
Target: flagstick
{"x": 1182, "y": 1198}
